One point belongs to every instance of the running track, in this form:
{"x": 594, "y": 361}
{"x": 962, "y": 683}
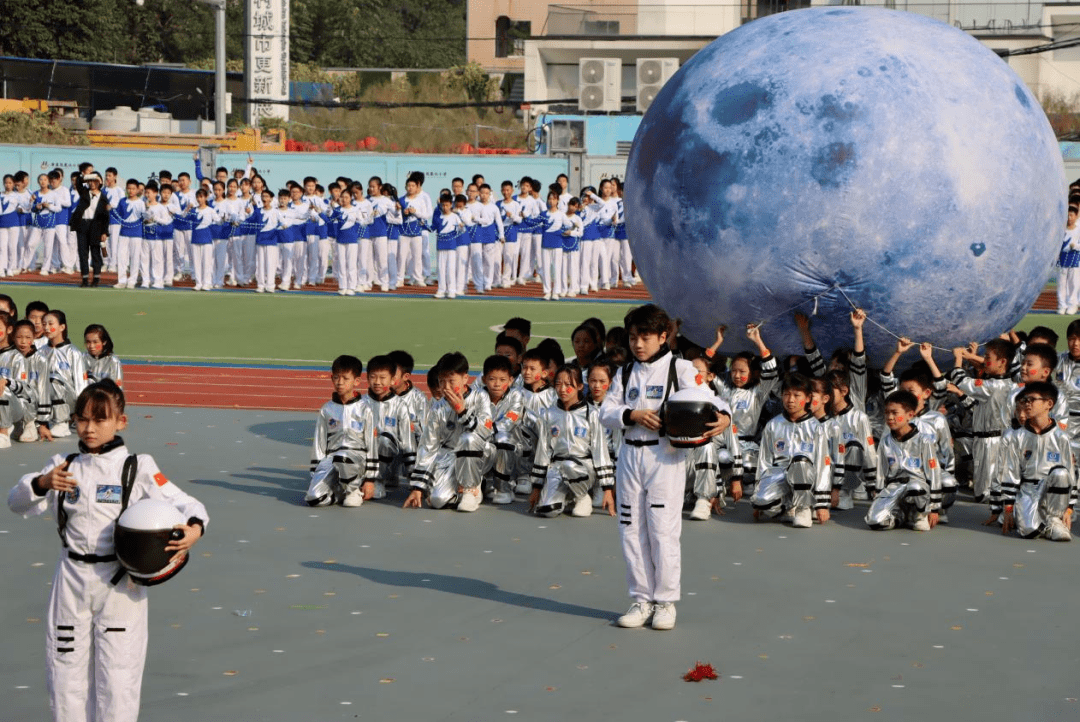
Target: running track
{"x": 218, "y": 387}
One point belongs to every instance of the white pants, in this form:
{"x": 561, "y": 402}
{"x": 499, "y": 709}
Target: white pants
{"x": 152, "y": 263}
{"x": 235, "y": 254}
{"x": 266, "y": 260}
{"x": 611, "y": 276}
{"x": 626, "y": 262}
{"x": 603, "y": 263}
{"x": 30, "y": 242}
{"x": 318, "y": 259}
{"x": 476, "y": 266}
{"x": 347, "y": 267}
{"x": 510, "y": 262}
{"x": 649, "y": 482}
{"x": 380, "y": 272}
{"x": 393, "y": 247}
{"x": 9, "y": 250}
{"x": 126, "y": 258}
{"x": 221, "y": 261}
{"x": 448, "y": 265}
{"x": 367, "y": 270}
{"x": 88, "y": 615}
{"x": 181, "y": 251}
{"x": 462, "y": 272}
{"x": 590, "y": 259}
{"x": 425, "y": 255}
{"x": 250, "y": 261}
{"x": 551, "y": 271}
{"x": 525, "y": 241}
{"x": 572, "y": 266}
{"x": 492, "y": 265}
{"x": 1068, "y": 288}
{"x": 202, "y": 265}
{"x": 291, "y": 262}
{"x": 69, "y": 248}
{"x": 411, "y": 259}
{"x": 49, "y": 250}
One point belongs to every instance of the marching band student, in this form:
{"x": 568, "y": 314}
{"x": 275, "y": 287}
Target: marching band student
{"x": 348, "y": 246}
{"x": 394, "y": 221}
{"x": 9, "y": 228}
{"x": 551, "y": 249}
{"x": 202, "y": 242}
{"x": 129, "y": 242}
{"x": 464, "y": 240}
{"x": 242, "y": 246}
{"x": 449, "y": 229}
{"x": 291, "y": 244}
{"x": 417, "y": 211}
{"x": 220, "y": 231}
{"x": 57, "y": 200}
{"x": 316, "y": 243}
{"x": 572, "y": 248}
{"x": 41, "y": 222}
{"x": 266, "y": 243}
{"x": 157, "y": 226}
{"x": 529, "y": 250}
{"x": 626, "y": 258}
{"x": 511, "y": 220}
{"x": 490, "y": 234}
{"x": 381, "y": 206}
{"x": 113, "y": 194}
{"x": 182, "y": 225}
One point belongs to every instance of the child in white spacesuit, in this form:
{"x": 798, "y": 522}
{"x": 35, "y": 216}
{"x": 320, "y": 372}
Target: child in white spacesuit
{"x": 96, "y": 614}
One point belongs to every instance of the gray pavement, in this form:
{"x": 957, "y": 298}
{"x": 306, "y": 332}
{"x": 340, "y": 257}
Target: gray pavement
{"x": 383, "y": 614}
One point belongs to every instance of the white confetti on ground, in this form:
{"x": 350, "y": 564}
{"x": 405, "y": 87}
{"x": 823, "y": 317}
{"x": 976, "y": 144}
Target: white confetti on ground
{"x": 487, "y": 551}
{"x": 1003, "y": 578}
{"x": 427, "y": 521}
{"x": 1030, "y": 551}
{"x": 346, "y": 702}
{"x": 781, "y": 537}
{"x": 691, "y": 594}
{"x": 735, "y": 676}
{"x": 215, "y": 607}
{"x": 365, "y": 546}
{"x": 355, "y": 613}
{"x": 181, "y": 694}
{"x": 972, "y": 610}
{"x": 279, "y": 651}
{"x": 898, "y": 686}
{"x": 313, "y": 516}
{"x": 830, "y": 601}
{"x": 540, "y": 527}
{"x": 22, "y": 686}
{"x": 939, "y": 646}
{"x": 242, "y": 541}
{"x": 738, "y": 564}
{"x": 904, "y": 544}
{"x": 866, "y": 571}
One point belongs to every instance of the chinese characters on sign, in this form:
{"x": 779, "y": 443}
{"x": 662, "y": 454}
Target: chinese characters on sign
{"x": 267, "y": 59}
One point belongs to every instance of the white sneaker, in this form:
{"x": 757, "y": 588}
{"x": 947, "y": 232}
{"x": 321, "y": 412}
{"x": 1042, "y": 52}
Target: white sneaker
{"x": 506, "y": 284}
{"x": 29, "y": 434}
{"x": 120, "y": 285}
{"x": 350, "y": 292}
{"x": 802, "y": 518}
{"x": 470, "y": 500}
{"x": 260, "y": 289}
{"x": 583, "y": 506}
{"x": 440, "y": 294}
{"x": 846, "y": 501}
{"x": 663, "y": 616}
{"x": 502, "y": 497}
{"x": 5, "y": 439}
{"x": 523, "y": 487}
{"x": 60, "y": 431}
{"x": 702, "y": 509}
{"x": 860, "y": 494}
{"x": 636, "y": 616}
{"x": 1056, "y": 530}
{"x": 380, "y": 490}
{"x": 353, "y": 498}
{"x": 547, "y": 296}
{"x": 922, "y": 522}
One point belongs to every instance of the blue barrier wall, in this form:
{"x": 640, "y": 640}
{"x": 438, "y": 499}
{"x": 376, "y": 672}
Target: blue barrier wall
{"x": 280, "y": 167}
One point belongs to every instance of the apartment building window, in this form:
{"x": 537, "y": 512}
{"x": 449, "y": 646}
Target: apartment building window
{"x": 510, "y": 36}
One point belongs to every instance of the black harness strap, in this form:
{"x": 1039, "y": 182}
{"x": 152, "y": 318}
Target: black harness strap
{"x": 61, "y": 513}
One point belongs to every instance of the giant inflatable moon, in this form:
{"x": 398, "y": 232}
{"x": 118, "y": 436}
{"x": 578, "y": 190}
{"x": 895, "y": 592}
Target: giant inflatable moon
{"x": 840, "y": 153}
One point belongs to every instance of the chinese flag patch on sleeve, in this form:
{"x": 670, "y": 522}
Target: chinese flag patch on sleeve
{"x": 160, "y": 479}
{"x": 699, "y": 379}
{"x": 487, "y": 424}
{"x": 512, "y": 415}
{"x": 870, "y": 440}
{"x": 933, "y": 463}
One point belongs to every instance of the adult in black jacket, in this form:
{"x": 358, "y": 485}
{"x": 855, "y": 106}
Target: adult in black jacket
{"x": 90, "y": 220}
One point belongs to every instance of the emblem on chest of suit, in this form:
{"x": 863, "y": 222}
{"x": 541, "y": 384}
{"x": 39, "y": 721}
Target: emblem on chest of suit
{"x": 108, "y": 494}
{"x": 1053, "y": 457}
{"x": 632, "y": 394}
{"x": 72, "y": 496}
{"x": 781, "y": 445}
{"x": 390, "y": 421}
{"x": 580, "y": 431}
{"x": 654, "y": 392}
{"x": 1027, "y": 454}
{"x": 742, "y": 405}
{"x": 554, "y": 431}
{"x": 332, "y": 423}
{"x": 913, "y": 463}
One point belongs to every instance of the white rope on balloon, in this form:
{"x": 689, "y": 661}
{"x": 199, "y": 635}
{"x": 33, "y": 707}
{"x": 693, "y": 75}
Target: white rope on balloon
{"x": 854, "y": 307}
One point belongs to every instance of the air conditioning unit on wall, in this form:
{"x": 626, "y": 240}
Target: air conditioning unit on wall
{"x": 652, "y": 73}
{"x": 599, "y": 84}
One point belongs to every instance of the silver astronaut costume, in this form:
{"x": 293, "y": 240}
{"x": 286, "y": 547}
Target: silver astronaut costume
{"x": 343, "y": 453}
{"x": 1039, "y": 479}
{"x": 711, "y": 467}
{"x": 451, "y": 450}
{"x": 911, "y": 477}
{"x": 794, "y": 468}
{"x": 650, "y": 477}
{"x": 394, "y": 441}
{"x": 528, "y": 431}
{"x": 851, "y": 446}
{"x": 933, "y": 422}
{"x": 67, "y": 378}
{"x": 104, "y": 367}
{"x": 15, "y": 406}
{"x": 571, "y": 456}
{"x": 1067, "y": 379}
{"x": 746, "y": 405}
{"x": 991, "y": 395}
{"x": 86, "y": 610}
{"x": 503, "y": 450}
{"x": 417, "y": 404}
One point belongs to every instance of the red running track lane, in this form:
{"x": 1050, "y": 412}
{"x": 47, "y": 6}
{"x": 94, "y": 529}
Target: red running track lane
{"x": 218, "y": 387}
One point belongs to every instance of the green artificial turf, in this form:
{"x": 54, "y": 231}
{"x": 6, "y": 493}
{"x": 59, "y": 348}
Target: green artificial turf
{"x": 300, "y": 329}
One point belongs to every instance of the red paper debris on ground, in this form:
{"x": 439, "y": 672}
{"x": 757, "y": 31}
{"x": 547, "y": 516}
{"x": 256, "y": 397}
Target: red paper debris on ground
{"x": 699, "y": 672}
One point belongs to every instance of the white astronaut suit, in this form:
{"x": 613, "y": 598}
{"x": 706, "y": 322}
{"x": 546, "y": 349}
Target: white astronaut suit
{"x": 87, "y": 611}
